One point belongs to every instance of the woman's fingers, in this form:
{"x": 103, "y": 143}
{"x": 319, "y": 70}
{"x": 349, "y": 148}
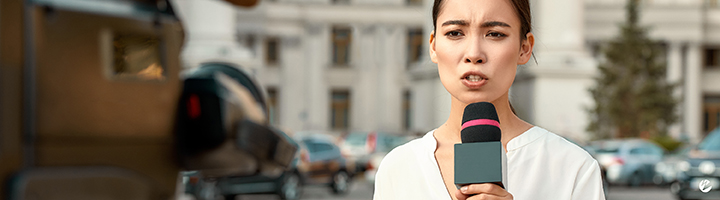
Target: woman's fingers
{"x": 483, "y": 191}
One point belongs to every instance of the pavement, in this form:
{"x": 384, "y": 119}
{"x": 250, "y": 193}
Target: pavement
{"x": 640, "y": 193}
{"x": 361, "y": 189}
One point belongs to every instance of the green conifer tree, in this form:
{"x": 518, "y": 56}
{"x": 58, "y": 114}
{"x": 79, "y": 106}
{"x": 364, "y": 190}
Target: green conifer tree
{"x": 632, "y": 95}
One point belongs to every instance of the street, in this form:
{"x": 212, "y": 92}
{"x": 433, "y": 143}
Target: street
{"x": 640, "y": 193}
{"x": 362, "y": 190}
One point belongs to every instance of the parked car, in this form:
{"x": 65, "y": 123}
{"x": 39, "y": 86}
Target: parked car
{"x": 666, "y": 171}
{"x": 628, "y": 161}
{"x": 700, "y": 173}
{"x": 369, "y": 148}
{"x": 198, "y": 186}
{"x": 319, "y": 162}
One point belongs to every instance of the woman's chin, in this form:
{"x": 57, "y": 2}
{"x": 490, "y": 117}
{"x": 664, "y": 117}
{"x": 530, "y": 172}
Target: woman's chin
{"x": 477, "y": 98}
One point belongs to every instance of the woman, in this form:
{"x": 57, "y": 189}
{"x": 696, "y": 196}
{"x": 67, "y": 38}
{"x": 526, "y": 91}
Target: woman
{"x": 478, "y": 45}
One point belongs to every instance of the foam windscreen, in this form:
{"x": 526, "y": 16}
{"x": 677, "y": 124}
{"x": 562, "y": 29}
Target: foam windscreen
{"x": 480, "y": 123}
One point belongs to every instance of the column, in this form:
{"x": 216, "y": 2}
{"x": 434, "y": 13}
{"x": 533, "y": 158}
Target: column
{"x": 674, "y": 75}
{"x": 692, "y": 116}
{"x": 363, "y": 112}
{"x": 316, "y": 114}
{"x": 210, "y": 27}
{"x": 389, "y": 89}
{"x": 564, "y": 72}
{"x": 558, "y": 26}
{"x": 293, "y": 83}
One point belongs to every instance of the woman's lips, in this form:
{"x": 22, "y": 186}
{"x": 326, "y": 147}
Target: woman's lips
{"x": 474, "y": 80}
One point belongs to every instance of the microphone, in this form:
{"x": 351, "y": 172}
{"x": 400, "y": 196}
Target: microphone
{"x": 480, "y": 158}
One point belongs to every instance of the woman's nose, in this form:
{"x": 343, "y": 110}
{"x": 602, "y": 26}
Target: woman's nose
{"x": 474, "y": 53}
{"x": 467, "y": 60}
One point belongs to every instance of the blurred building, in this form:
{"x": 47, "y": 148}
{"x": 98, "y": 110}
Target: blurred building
{"x": 690, "y": 33}
{"x": 362, "y": 64}
{"x": 553, "y": 92}
{"x": 334, "y": 65}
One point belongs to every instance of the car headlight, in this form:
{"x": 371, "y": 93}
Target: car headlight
{"x": 683, "y": 166}
{"x": 660, "y": 167}
{"x": 707, "y": 167}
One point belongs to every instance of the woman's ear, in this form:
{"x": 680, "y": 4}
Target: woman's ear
{"x": 433, "y": 55}
{"x": 526, "y": 49}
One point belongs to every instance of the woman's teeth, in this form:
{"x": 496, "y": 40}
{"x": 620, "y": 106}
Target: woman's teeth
{"x": 473, "y": 78}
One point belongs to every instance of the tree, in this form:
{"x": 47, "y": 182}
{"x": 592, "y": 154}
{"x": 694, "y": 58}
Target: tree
{"x": 632, "y": 95}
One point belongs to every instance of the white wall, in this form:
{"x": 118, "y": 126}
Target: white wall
{"x": 560, "y": 103}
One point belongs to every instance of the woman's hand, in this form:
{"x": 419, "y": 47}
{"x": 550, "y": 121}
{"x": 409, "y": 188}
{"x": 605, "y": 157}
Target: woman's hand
{"x": 482, "y": 191}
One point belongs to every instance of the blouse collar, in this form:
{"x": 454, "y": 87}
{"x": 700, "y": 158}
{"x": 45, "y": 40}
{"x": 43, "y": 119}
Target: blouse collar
{"x": 521, "y": 140}
{"x": 526, "y": 138}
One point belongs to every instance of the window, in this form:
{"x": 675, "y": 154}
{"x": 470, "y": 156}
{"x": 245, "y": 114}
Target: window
{"x": 413, "y": 2}
{"x": 414, "y": 45}
{"x": 272, "y": 107}
{"x": 247, "y": 41}
{"x": 272, "y": 51}
{"x": 712, "y": 57}
{"x": 407, "y": 110}
{"x": 711, "y": 113}
{"x": 137, "y": 57}
{"x": 712, "y": 3}
{"x": 341, "y": 39}
{"x": 340, "y": 108}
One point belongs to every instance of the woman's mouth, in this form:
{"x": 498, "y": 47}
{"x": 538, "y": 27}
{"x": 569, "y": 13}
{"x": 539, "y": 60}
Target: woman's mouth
{"x": 474, "y": 81}
{"x": 474, "y": 78}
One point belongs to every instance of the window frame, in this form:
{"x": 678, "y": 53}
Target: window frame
{"x": 341, "y": 40}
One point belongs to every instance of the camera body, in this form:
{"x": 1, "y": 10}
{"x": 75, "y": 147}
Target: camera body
{"x": 94, "y": 105}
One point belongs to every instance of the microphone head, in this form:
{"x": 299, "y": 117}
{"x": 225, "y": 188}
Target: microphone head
{"x": 480, "y": 123}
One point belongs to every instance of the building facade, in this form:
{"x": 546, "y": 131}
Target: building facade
{"x": 690, "y": 33}
{"x": 343, "y": 65}
{"x": 336, "y": 65}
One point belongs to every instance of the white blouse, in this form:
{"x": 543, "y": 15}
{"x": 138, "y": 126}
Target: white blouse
{"x": 540, "y": 166}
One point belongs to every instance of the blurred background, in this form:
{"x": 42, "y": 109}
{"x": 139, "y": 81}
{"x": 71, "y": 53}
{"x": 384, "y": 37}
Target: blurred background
{"x": 636, "y": 83}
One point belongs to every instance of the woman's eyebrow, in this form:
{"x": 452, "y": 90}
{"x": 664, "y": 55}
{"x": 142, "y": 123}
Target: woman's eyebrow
{"x": 494, "y": 23}
{"x": 484, "y": 25}
{"x": 455, "y": 22}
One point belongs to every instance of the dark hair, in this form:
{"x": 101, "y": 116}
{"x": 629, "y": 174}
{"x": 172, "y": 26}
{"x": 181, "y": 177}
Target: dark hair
{"x": 522, "y": 8}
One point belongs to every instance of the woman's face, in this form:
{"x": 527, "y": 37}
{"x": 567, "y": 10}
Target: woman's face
{"x": 477, "y": 46}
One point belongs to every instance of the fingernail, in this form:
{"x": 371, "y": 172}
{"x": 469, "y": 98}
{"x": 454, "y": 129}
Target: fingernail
{"x": 463, "y": 189}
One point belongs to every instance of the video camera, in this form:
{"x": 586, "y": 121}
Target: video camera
{"x": 104, "y": 111}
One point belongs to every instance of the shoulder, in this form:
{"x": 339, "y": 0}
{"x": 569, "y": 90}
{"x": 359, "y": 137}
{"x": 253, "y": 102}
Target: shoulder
{"x": 403, "y": 153}
{"x": 410, "y": 154}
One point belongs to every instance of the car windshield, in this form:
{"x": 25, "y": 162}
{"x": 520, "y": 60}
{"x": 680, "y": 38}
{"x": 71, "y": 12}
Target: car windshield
{"x": 711, "y": 142}
{"x": 315, "y": 146}
{"x": 356, "y": 139}
{"x": 615, "y": 150}
{"x": 607, "y": 147}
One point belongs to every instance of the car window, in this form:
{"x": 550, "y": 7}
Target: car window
{"x": 710, "y": 143}
{"x": 612, "y": 150}
{"x": 322, "y": 147}
{"x": 637, "y": 151}
{"x": 607, "y": 147}
{"x": 655, "y": 150}
{"x": 356, "y": 139}
{"x": 314, "y": 147}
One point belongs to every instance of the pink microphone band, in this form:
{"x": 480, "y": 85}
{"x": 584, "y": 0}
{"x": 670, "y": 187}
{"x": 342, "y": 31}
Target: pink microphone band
{"x": 478, "y": 122}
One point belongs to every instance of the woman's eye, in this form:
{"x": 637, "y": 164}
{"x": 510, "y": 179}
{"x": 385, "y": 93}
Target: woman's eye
{"x": 496, "y": 34}
{"x": 453, "y": 34}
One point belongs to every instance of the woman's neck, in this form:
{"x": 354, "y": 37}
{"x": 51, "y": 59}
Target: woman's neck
{"x": 510, "y": 124}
